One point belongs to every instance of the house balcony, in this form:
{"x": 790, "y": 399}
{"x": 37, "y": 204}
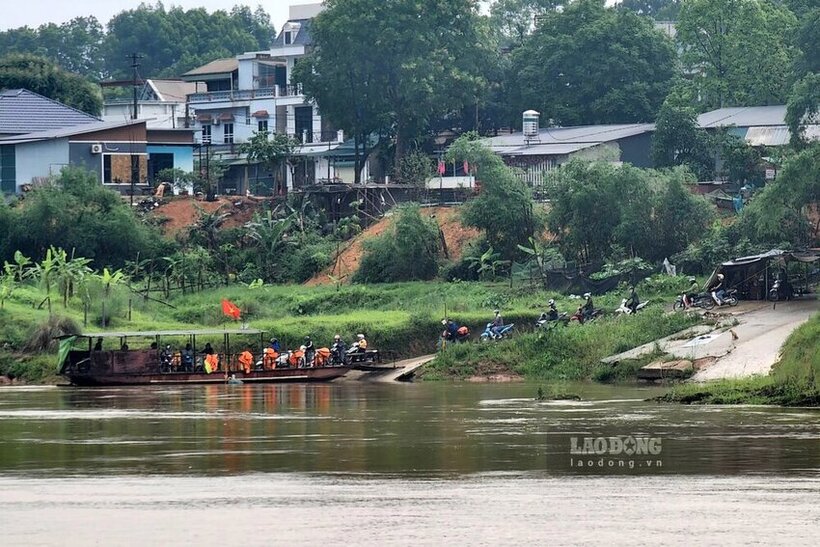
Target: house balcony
{"x": 275, "y": 92}
{"x": 235, "y": 148}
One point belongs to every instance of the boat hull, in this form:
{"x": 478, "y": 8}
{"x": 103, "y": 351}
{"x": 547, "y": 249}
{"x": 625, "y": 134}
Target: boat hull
{"x": 319, "y": 374}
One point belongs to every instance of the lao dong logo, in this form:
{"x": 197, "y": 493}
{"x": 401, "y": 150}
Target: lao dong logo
{"x": 615, "y": 446}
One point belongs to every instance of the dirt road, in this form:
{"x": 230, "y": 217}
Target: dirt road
{"x": 754, "y": 344}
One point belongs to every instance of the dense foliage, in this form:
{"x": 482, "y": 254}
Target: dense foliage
{"x": 600, "y": 210}
{"x": 589, "y": 64}
{"x": 503, "y": 208}
{"x": 407, "y": 251}
{"x": 76, "y": 213}
{"x": 43, "y": 76}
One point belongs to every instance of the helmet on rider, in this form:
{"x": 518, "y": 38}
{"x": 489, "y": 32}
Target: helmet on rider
{"x": 337, "y": 338}
{"x": 307, "y": 338}
{"x": 360, "y": 336}
{"x": 720, "y": 276}
{"x": 497, "y": 312}
{"x": 551, "y": 302}
{"x": 443, "y": 321}
{"x": 587, "y": 295}
{"x": 692, "y": 280}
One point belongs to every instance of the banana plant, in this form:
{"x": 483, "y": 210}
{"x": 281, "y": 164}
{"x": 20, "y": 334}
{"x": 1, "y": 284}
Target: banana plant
{"x": 21, "y": 268}
{"x": 108, "y": 280}
{"x": 44, "y": 272}
{"x": 7, "y": 286}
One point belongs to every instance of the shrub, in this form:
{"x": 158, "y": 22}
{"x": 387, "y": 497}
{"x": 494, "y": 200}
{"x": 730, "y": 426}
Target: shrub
{"x": 407, "y": 251}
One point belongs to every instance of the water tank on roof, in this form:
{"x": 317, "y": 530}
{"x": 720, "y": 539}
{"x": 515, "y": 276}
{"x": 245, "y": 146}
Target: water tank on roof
{"x": 530, "y": 125}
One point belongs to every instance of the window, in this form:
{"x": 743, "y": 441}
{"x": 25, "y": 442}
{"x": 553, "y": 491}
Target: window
{"x": 107, "y": 169}
{"x": 262, "y": 126}
{"x": 228, "y": 133}
{"x": 8, "y": 171}
{"x": 288, "y": 37}
{"x": 206, "y": 134}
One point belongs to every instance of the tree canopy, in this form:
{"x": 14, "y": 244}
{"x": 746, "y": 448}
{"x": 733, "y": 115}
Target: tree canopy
{"x": 396, "y": 65}
{"x": 590, "y": 64}
{"x": 738, "y": 52}
{"x": 42, "y": 76}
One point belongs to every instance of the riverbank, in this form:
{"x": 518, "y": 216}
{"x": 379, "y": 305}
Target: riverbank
{"x": 793, "y": 381}
{"x": 402, "y": 319}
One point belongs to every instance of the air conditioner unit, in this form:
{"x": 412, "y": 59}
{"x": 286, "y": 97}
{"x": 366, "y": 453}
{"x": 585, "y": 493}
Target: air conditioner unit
{"x": 96, "y": 149}
{"x": 217, "y": 121}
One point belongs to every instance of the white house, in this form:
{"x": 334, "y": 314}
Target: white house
{"x": 253, "y": 92}
{"x": 160, "y": 103}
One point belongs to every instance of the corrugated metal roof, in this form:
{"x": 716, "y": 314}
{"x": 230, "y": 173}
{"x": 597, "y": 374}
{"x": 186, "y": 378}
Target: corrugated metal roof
{"x": 181, "y": 332}
{"x": 746, "y": 116}
{"x": 174, "y": 90}
{"x": 23, "y": 111}
{"x": 564, "y": 140}
{"x": 66, "y": 132}
{"x": 220, "y": 66}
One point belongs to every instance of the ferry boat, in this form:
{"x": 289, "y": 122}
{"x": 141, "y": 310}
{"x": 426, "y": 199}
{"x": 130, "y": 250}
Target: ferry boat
{"x": 85, "y": 360}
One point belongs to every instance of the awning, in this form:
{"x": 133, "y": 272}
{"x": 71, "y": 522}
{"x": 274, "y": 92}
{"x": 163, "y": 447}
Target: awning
{"x": 203, "y": 117}
{"x": 260, "y": 114}
{"x": 226, "y": 117}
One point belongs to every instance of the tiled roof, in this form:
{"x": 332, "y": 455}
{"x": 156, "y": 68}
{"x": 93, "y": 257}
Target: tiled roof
{"x": 173, "y": 90}
{"x": 23, "y": 111}
{"x": 71, "y": 131}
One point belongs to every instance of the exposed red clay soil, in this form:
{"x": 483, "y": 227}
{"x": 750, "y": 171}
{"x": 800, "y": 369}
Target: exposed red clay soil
{"x": 182, "y": 213}
{"x": 345, "y": 265}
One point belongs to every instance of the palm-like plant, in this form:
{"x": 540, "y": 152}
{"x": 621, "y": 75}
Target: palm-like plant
{"x": 20, "y": 269}
{"x": 44, "y": 272}
{"x": 485, "y": 263}
{"x": 109, "y": 279}
{"x": 7, "y": 286}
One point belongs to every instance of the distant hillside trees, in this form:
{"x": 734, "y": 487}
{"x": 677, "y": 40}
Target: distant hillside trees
{"x": 171, "y": 41}
{"x": 42, "y": 76}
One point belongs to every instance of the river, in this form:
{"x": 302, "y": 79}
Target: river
{"x": 429, "y": 463}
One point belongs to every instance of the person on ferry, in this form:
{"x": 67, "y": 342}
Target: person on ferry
{"x": 360, "y": 345}
{"x": 188, "y": 358}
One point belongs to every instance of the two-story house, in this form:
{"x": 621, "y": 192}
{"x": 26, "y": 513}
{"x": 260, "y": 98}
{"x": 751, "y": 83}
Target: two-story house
{"x": 253, "y": 92}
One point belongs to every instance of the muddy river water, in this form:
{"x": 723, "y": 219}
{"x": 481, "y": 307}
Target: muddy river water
{"x": 421, "y": 464}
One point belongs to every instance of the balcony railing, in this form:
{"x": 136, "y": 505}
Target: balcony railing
{"x": 246, "y": 94}
{"x": 323, "y": 137}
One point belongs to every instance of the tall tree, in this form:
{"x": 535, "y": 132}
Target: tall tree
{"x": 591, "y": 64}
{"x": 679, "y": 141}
{"x": 738, "y": 52}
{"x": 42, "y": 76}
{"x": 400, "y": 64}
{"x": 74, "y": 45}
{"x": 175, "y": 40}
{"x": 514, "y": 20}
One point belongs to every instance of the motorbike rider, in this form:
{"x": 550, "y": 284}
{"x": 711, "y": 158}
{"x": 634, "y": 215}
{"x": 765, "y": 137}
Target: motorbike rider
{"x": 360, "y": 345}
{"x": 450, "y": 330}
{"x": 338, "y": 348}
{"x": 588, "y": 308}
{"x": 632, "y": 300}
{"x": 166, "y": 357}
{"x": 275, "y": 346}
{"x": 310, "y": 351}
{"x": 689, "y": 296}
{"x": 188, "y": 358}
{"x": 552, "y": 313}
{"x": 717, "y": 290}
{"x": 497, "y": 323}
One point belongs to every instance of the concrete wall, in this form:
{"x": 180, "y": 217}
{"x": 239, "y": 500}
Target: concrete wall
{"x": 40, "y": 159}
{"x": 637, "y": 150}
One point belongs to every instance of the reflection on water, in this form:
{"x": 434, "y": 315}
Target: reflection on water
{"x": 356, "y": 464}
{"x": 417, "y": 430}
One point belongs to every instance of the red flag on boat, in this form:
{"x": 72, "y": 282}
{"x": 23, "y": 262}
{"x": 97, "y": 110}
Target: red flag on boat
{"x": 441, "y": 168}
{"x": 230, "y": 309}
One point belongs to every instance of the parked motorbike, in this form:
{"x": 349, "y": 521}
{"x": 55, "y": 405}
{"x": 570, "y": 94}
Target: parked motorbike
{"x": 462, "y": 335}
{"x": 701, "y": 300}
{"x": 579, "y": 316}
{"x": 544, "y": 321}
{"x": 497, "y": 333}
{"x": 729, "y": 298}
{"x": 626, "y": 310}
{"x": 780, "y": 291}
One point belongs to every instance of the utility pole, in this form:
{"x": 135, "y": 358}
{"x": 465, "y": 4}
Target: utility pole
{"x": 135, "y": 166}
{"x": 134, "y": 82}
